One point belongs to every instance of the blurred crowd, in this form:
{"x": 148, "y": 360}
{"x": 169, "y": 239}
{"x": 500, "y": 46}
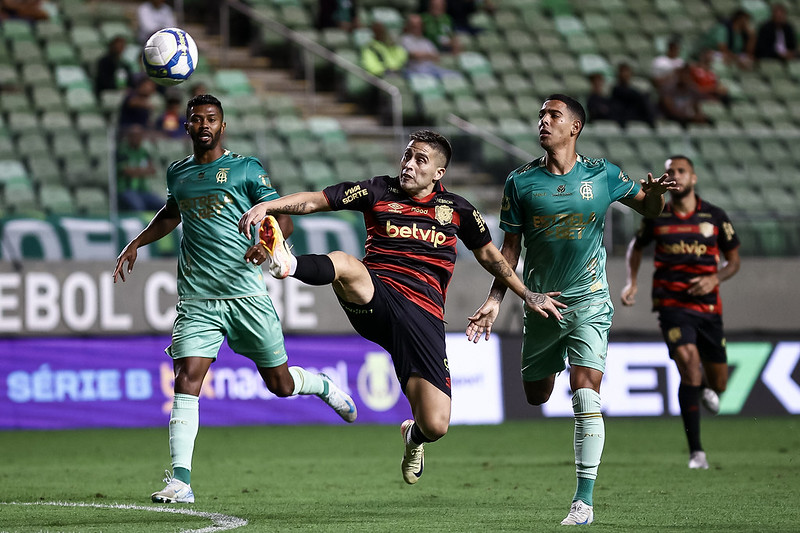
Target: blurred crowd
{"x": 686, "y": 74}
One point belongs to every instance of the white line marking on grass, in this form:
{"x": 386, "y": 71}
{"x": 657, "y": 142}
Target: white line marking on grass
{"x": 222, "y": 522}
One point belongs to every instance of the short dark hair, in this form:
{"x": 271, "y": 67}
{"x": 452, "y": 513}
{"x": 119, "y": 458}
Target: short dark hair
{"x": 573, "y": 105}
{"x": 681, "y": 156}
{"x": 438, "y": 140}
{"x": 204, "y": 99}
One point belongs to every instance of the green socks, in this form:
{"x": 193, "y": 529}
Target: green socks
{"x": 183, "y": 424}
{"x": 307, "y": 383}
{"x": 590, "y": 436}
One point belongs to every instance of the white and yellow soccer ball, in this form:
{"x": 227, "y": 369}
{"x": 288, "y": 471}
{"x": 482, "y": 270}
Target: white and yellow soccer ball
{"x": 170, "y": 56}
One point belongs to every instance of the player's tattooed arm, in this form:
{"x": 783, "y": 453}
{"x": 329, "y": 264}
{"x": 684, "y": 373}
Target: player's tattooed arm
{"x": 301, "y": 203}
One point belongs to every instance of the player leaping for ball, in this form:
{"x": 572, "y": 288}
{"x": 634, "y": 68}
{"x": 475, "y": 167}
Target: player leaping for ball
{"x": 395, "y": 295}
{"x": 221, "y": 290}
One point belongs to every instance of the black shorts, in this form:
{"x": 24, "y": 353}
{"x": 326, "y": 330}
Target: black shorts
{"x": 412, "y": 336}
{"x": 704, "y": 331}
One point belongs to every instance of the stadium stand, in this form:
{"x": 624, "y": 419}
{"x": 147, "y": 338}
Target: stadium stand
{"x": 55, "y": 128}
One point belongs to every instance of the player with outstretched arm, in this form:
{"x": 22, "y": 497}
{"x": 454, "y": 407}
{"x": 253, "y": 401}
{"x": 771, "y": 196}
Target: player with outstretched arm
{"x": 557, "y": 204}
{"x": 395, "y": 295}
{"x": 221, "y": 291}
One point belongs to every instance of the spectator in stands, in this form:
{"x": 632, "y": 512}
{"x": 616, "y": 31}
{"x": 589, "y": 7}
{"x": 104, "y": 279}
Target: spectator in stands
{"x": 135, "y": 171}
{"x": 680, "y": 100}
{"x": 706, "y": 79}
{"x": 423, "y": 56}
{"x": 628, "y": 102}
{"x": 461, "y": 12}
{"x": 113, "y": 72}
{"x": 598, "y": 103}
{"x": 152, "y": 16}
{"x": 138, "y": 104}
{"x": 734, "y": 39}
{"x": 170, "y": 123}
{"x": 23, "y": 9}
{"x": 438, "y": 27}
{"x": 382, "y": 55}
{"x": 663, "y": 67}
{"x": 341, "y": 14}
{"x": 777, "y": 38}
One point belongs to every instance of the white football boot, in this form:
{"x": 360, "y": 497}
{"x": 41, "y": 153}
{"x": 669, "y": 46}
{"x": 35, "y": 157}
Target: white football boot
{"x": 339, "y": 400}
{"x": 413, "y": 455}
{"x": 176, "y": 491}
{"x": 698, "y": 461}
{"x": 580, "y": 514}
{"x": 710, "y": 400}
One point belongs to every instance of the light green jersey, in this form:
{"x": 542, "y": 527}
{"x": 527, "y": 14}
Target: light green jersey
{"x": 561, "y": 218}
{"x": 211, "y": 198}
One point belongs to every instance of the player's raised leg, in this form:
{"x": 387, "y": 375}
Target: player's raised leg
{"x": 285, "y": 381}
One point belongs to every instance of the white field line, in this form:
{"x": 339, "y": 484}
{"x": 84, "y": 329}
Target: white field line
{"x": 221, "y": 522}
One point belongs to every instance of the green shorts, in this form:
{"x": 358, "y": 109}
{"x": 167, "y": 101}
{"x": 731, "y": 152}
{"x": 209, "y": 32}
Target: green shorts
{"x": 250, "y": 324}
{"x": 582, "y": 336}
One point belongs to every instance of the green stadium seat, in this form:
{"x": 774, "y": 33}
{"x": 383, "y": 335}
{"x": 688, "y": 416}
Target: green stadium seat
{"x": 456, "y": 84}
{"x": 9, "y": 77}
{"x": 36, "y": 74}
{"x": 317, "y": 173}
{"x": 91, "y": 201}
{"x": 47, "y": 99}
{"x": 302, "y": 147}
{"x": 85, "y": 35}
{"x": 26, "y": 52}
{"x": 44, "y": 170}
{"x": 474, "y": 63}
{"x": 7, "y": 149}
{"x": 484, "y": 84}
{"x": 70, "y": 76}
{"x": 16, "y": 30}
{"x": 503, "y": 63}
{"x": 425, "y": 84}
{"x": 56, "y": 200}
{"x": 592, "y": 63}
{"x": 327, "y": 130}
{"x": 490, "y": 41}
{"x": 12, "y": 170}
{"x": 581, "y": 43}
{"x": 283, "y": 171}
{"x": 773, "y": 151}
{"x": 470, "y": 108}
{"x": 21, "y": 122}
{"x": 57, "y": 124}
{"x": 500, "y": 107}
{"x": 389, "y": 17}
{"x": 115, "y": 28}
{"x": 20, "y": 199}
{"x": 15, "y": 102}
{"x": 232, "y": 82}
{"x": 291, "y": 127}
{"x": 712, "y": 150}
{"x": 67, "y": 146}
{"x": 517, "y": 85}
{"x": 436, "y": 108}
{"x": 520, "y": 41}
{"x": 742, "y": 150}
{"x": 532, "y": 61}
{"x": 507, "y": 19}
{"x": 61, "y": 53}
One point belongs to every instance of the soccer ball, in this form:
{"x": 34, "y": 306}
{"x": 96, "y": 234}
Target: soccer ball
{"x": 169, "y": 56}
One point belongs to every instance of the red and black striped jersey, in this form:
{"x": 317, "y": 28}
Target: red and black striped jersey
{"x": 687, "y": 246}
{"x": 411, "y": 244}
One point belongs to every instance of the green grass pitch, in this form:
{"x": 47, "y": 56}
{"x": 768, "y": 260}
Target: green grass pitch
{"x": 518, "y": 476}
